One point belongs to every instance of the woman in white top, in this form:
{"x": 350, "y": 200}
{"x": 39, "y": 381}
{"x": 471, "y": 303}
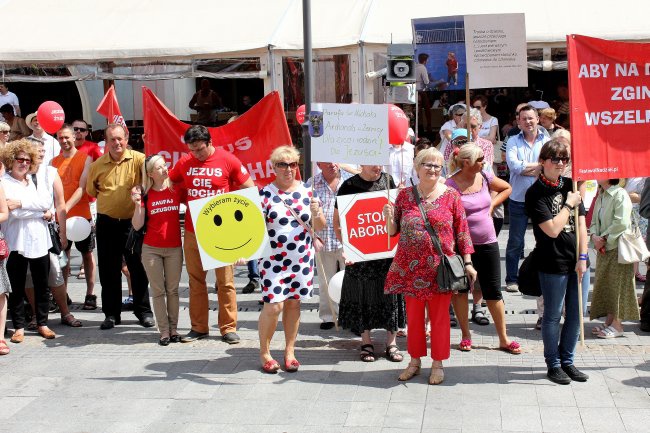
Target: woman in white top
{"x": 27, "y": 236}
{"x": 490, "y": 124}
{"x": 457, "y": 112}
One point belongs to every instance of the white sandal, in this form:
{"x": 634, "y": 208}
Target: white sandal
{"x": 610, "y": 332}
{"x": 598, "y": 329}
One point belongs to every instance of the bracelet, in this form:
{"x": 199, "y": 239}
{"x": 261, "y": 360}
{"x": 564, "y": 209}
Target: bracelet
{"x": 570, "y": 208}
{"x": 469, "y": 264}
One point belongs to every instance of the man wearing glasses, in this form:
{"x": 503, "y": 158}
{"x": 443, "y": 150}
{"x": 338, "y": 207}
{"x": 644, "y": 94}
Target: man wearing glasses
{"x": 81, "y": 131}
{"x": 204, "y": 172}
{"x": 522, "y": 155}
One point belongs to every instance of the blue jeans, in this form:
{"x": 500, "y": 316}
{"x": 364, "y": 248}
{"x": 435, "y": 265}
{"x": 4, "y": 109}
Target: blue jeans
{"x": 516, "y": 233}
{"x": 253, "y": 270}
{"x": 558, "y": 289}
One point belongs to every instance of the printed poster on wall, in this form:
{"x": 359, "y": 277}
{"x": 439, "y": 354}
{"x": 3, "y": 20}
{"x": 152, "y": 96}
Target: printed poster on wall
{"x": 230, "y": 226}
{"x": 350, "y": 133}
{"x": 490, "y": 47}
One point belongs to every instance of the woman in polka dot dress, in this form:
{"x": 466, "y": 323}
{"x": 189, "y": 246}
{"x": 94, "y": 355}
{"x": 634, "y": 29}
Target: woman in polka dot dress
{"x": 287, "y": 275}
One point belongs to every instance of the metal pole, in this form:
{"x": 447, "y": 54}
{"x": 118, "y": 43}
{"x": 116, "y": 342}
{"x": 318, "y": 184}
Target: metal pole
{"x": 306, "y": 31}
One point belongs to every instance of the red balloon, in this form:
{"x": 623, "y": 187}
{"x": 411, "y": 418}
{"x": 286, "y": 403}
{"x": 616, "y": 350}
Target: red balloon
{"x": 398, "y": 125}
{"x": 300, "y": 114}
{"x": 50, "y": 116}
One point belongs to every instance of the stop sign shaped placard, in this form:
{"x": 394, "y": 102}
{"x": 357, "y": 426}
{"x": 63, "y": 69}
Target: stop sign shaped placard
{"x": 363, "y": 226}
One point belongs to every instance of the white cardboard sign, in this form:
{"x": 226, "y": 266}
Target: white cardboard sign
{"x": 351, "y": 133}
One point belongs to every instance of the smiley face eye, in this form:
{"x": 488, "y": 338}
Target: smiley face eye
{"x": 217, "y": 220}
{"x": 238, "y": 215}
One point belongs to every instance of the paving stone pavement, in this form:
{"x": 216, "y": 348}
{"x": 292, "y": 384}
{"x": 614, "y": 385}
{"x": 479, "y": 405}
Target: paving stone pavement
{"x": 120, "y": 381}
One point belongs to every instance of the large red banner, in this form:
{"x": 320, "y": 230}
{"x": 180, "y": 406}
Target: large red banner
{"x": 609, "y": 90}
{"x": 110, "y": 109}
{"x": 251, "y": 137}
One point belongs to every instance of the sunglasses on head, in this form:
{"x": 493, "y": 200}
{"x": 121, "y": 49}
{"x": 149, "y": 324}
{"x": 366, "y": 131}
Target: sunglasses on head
{"x": 78, "y": 129}
{"x": 290, "y": 165}
{"x": 557, "y": 159}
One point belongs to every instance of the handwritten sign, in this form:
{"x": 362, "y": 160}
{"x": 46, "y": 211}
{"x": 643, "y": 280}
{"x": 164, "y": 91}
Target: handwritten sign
{"x": 351, "y": 133}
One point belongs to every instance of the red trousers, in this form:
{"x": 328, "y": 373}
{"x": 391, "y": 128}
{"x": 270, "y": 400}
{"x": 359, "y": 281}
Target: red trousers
{"x": 416, "y": 340}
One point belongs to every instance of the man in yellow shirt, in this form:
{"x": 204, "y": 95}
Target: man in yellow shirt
{"x": 110, "y": 180}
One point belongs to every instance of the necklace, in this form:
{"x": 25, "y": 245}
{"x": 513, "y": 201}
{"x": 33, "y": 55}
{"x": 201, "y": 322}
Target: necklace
{"x": 426, "y": 197}
{"x": 554, "y": 185}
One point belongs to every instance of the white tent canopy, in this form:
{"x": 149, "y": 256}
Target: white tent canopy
{"x": 79, "y": 31}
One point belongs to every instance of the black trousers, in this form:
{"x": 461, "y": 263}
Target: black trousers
{"x": 17, "y": 271}
{"x": 111, "y": 239}
{"x": 645, "y": 300}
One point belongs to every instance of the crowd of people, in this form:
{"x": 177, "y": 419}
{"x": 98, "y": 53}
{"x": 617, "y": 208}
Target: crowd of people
{"x": 450, "y": 201}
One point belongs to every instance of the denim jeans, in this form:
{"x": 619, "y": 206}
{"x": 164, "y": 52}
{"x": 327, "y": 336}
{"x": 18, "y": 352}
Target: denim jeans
{"x": 253, "y": 270}
{"x": 558, "y": 289}
{"x": 517, "y": 231}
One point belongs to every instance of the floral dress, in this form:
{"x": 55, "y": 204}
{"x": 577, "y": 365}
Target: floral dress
{"x": 289, "y": 272}
{"x": 364, "y": 305}
{"x": 415, "y": 267}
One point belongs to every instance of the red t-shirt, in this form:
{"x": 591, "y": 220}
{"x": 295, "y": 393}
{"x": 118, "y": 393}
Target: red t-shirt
{"x": 92, "y": 149}
{"x": 163, "y": 221}
{"x": 207, "y": 178}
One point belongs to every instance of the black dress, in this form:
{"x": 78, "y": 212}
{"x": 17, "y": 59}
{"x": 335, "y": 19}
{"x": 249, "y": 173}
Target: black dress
{"x": 364, "y": 306}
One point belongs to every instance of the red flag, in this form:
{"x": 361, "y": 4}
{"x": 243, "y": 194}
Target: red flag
{"x": 110, "y": 109}
{"x": 251, "y": 137}
{"x": 610, "y": 108}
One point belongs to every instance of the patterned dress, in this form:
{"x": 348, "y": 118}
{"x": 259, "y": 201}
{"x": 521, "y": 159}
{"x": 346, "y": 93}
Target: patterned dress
{"x": 364, "y": 305}
{"x": 289, "y": 272}
{"x": 415, "y": 266}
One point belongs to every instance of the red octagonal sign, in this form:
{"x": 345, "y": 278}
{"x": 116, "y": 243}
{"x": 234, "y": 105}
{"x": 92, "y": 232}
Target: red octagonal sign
{"x": 364, "y": 226}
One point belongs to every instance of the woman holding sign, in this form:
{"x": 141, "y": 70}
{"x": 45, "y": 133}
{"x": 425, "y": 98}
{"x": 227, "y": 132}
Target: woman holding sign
{"x": 157, "y": 210}
{"x": 415, "y": 267}
{"x": 364, "y": 306}
{"x": 292, "y": 214}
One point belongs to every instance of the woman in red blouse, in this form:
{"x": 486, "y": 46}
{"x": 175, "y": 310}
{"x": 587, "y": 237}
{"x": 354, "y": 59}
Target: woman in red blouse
{"x": 162, "y": 254}
{"x": 415, "y": 266}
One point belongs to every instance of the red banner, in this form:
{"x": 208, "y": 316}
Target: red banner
{"x": 251, "y": 137}
{"x": 110, "y": 109}
{"x": 610, "y": 108}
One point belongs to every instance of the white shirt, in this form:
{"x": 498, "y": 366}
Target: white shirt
{"x": 26, "y": 231}
{"x": 52, "y": 147}
{"x": 421, "y": 77}
{"x": 9, "y": 98}
{"x": 400, "y": 163}
{"x": 486, "y": 126}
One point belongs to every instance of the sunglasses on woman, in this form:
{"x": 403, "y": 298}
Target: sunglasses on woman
{"x": 557, "y": 159}
{"x": 23, "y": 160}
{"x": 285, "y": 165}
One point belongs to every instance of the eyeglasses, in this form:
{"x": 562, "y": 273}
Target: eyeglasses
{"x": 77, "y": 129}
{"x": 557, "y": 159}
{"x": 478, "y": 107}
{"x": 5, "y": 132}
{"x": 429, "y": 166}
{"x": 23, "y": 160}
{"x": 285, "y": 165}
{"x": 459, "y": 141}
{"x": 459, "y": 114}
{"x": 480, "y": 160}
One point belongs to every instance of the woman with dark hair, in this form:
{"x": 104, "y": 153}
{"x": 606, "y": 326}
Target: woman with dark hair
{"x": 614, "y": 290}
{"x": 364, "y": 306}
{"x": 489, "y": 124}
{"x": 550, "y": 203}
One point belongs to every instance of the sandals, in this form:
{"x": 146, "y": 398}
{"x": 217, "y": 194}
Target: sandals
{"x": 368, "y": 353}
{"x": 513, "y": 348}
{"x": 478, "y": 317}
{"x": 4, "y": 349}
{"x": 401, "y": 333}
{"x": 610, "y": 332}
{"x": 465, "y": 345}
{"x": 90, "y": 303}
{"x": 69, "y": 320}
{"x": 291, "y": 366}
{"x": 271, "y": 366}
{"x": 598, "y": 328}
{"x": 413, "y": 369}
{"x": 82, "y": 274}
{"x": 393, "y": 354}
{"x": 437, "y": 373}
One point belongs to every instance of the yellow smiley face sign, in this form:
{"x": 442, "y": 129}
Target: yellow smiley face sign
{"x": 229, "y": 227}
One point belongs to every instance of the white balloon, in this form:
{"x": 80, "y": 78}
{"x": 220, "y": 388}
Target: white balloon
{"x": 335, "y": 285}
{"x": 77, "y": 228}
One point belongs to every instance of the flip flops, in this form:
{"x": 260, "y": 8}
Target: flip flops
{"x": 610, "y": 332}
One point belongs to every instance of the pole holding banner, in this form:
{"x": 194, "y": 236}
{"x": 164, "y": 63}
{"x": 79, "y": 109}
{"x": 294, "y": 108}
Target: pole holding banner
{"x": 576, "y": 220}
{"x": 306, "y": 29}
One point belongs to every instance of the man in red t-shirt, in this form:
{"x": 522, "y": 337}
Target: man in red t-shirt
{"x": 204, "y": 172}
{"x": 81, "y": 130}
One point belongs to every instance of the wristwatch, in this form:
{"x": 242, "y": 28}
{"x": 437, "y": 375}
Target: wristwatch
{"x": 469, "y": 264}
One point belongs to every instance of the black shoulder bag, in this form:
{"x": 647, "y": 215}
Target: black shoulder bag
{"x": 451, "y": 271}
